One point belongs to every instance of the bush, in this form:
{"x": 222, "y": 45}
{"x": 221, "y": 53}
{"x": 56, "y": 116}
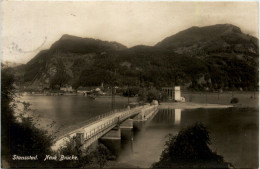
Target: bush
{"x": 88, "y": 158}
{"x": 189, "y": 149}
{"x": 234, "y": 100}
{"x": 131, "y": 91}
{"x": 151, "y": 94}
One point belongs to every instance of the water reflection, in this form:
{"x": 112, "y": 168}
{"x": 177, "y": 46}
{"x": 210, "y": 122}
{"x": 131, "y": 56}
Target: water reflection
{"x": 233, "y": 133}
{"x": 149, "y": 138}
{"x": 177, "y": 116}
{"x": 167, "y": 117}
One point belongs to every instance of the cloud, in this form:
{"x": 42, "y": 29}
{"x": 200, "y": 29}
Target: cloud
{"x": 27, "y": 23}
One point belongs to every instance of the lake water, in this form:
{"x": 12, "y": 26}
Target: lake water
{"x": 233, "y": 131}
{"x": 69, "y": 110}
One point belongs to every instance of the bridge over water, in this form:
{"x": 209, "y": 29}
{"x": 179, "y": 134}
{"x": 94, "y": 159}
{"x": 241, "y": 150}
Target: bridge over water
{"x": 105, "y": 125}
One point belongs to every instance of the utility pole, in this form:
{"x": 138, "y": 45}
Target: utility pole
{"x": 113, "y": 98}
{"x": 232, "y": 91}
{"x": 254, "y": 90}
{"x": 206, "y": 98}
{"x": 113, "y": 92}
{"x": 218, "y": 96}
{"x": 128, "y": 93}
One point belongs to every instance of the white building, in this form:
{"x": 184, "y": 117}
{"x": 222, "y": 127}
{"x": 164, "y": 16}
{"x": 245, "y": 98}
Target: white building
{"x": 177, "y": 94}
{"x": 67, "y": 89}
{"x": 174, "y": 93}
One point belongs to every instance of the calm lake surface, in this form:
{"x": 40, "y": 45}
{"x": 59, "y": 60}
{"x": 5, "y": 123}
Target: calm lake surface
{"x": 68, "y": 110}
{"x": 233, "y": 131}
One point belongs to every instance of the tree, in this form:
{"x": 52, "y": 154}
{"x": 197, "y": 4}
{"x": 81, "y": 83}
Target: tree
{"x": 101, "y": 155}
{"x": 59, "y": 79}
{"x": 19, "y": 137}
{"x": 189, "y": 149}
{"x": 7, "y": 95}
{"x": 74, "y": 147}
{"x": 151, "y": 94}
{"x": 87, "y": 157}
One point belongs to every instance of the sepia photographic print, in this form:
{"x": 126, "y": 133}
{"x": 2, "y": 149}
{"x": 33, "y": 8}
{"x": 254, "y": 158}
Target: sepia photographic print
{"x": 129, "y": 84}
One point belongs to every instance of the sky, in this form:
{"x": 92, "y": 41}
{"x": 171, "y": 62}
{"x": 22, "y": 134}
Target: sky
{"x": 28, "y": 27}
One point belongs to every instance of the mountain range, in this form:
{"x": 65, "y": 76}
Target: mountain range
{"x": 212, "y": 57}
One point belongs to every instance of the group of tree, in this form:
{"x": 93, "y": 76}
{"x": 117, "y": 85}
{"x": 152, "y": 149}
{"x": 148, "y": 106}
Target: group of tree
{"x": 190, "y": 149}
{"x": 19, "y": 134}
{"x": 20, "y": 137}
{"x": 212, "y": 57}
{"x": 156, "y": 70}
{"x": 148, "y": 95}
{"x": 93, "y": 157}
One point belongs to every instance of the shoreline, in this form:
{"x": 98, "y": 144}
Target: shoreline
{"x": 191, "y": 105}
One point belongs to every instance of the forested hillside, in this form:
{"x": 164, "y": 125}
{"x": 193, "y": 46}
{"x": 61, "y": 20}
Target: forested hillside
{"x": 214, "y": 57}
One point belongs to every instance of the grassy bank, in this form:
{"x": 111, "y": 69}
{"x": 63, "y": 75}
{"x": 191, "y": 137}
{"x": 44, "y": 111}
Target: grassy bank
{"x": 246, "y": 99}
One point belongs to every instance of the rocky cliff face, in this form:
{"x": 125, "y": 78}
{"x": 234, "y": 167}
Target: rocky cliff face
{"x": 220, "y": 54}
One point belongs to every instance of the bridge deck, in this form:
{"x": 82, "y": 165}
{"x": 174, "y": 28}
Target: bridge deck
{"x": 94, "y": 130}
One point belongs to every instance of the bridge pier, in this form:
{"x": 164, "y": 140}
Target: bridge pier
{"x": 146, "y": 113}
{"x": 112, "y": 140}
{"x": 127, "y": 129}
{"x": 114, "y": 134}
{"x": 80, "y": 138}
{"x": 127, "y": 124}
{"x": 138, "y": 125}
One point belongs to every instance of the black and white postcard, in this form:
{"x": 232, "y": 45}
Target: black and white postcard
{"x": 129, "y": 84}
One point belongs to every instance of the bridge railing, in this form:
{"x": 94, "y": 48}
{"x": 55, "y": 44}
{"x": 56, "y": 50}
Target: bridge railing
{"x": 88, "y": 122}
{"x": 101, "y": 128}
{"x": 105, "y": 126}
{"x": 125, "y": 114}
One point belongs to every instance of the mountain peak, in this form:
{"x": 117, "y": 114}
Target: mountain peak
{"x": 195, "y": 35}
{"x": 67, "y": 37}
{"x": 211, "y": 51}
{"x": 74, "y": 44}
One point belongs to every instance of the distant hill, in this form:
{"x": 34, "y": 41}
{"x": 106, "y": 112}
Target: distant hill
{"x": 73, "y": 44}
{"x": 214, "y": 57}
{"x": 211, "y": 39}
{"x": 5, "y": 64}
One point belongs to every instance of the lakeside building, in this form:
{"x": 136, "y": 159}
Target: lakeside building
{"x": 90, "y": 90}
{"x": 83, "y": 90}
{"x": 174, "y": 93}
{"x": 67, "y": 89}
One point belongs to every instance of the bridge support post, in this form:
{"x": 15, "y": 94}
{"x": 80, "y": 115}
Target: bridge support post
{"x": 127, "y": 129}
{"x": 146, "y": 113}
{"x": 113, "y": 134}
{"x": 127, "y": 124}
{"x": 80, "y": 138}
{"x": 140, "y": 116}
{"x": 112, "y": 140}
